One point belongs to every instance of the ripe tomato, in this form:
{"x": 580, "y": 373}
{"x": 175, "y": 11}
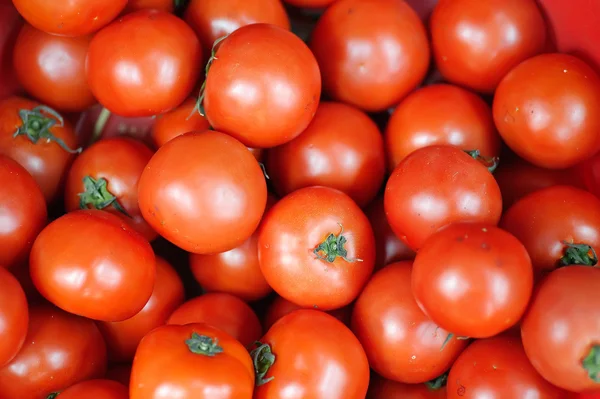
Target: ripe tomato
{"x": 97, "y": 389}
{"x": 342, "y": 148}
{"x": 182, "y": 119}
{"x": 44, "y": 143}
{"x": 262, "y": 101}
{"x": 562, "y": 323}
{"x": 144, "y": 64}
{"x": 545, "y": 110}
{"x": 316, "y": 248}
{"x": 497, "y": 368}
{"x": 472, "y": 279}
{"x": 162, "y": 5}
{"x": 192, "y": 361}
{"x": 120, "y": 373}
{"x": 436, "y": 186}
{"x": 281, "y": 307}
{"x": 204, "y": 192}
{"x": 440, "y": 114}
{"x": 105, "y": 176}
{"x": 380, "y": 388}
{"x": 10, "y": 25}
{"x": 60, "y": 350}
{"x": 85, "y": 262}
{"x": 22, "y": 212}
{"x": 476, "y": 43}
{"x": 223, "y": 311}
{"x": 14, "y": 317}
{"x": 52, "y": 68}
{"x": 371, "y": 53}
{"x": 307, "y": 346}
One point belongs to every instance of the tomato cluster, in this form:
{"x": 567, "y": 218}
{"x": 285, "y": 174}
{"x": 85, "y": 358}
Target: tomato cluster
{"x": 298, "y": 199}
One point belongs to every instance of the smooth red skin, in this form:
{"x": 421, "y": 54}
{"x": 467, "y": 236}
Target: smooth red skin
{"x": 475, "y": 44}
{"x": 60, "y": 350}
{"x": 143, "y": 64}
{"x": 289, "y": 265}
{"x": 497, "y": 368}
{"x": 440, "y": 114}
{"x": 223, "y": 311}
{"x": 224, "y": 180}
{"x": 280, "y": 92}
{"x": 14, "y": 317}
{"x": 589, "y": 171}
{"x": 46, "y": 161}
{"x": 401, "y": 342}
{"x": 52, "y": 69}
{"x": 121, "y": 161}
{"x": 10, "y": 25}
{"x": 472, "y": 279}
{"x": 120, "y": 373}
{"x": 310, "y": 3}
{"x": 162, "y": 5}
{"x": 380, "y": 388}
{"x": 93, "y": 277}
{"x": 164, "y": 367}
{"x": 182, "y": 119}
{"x": 22, "y": 212}
{"x": 342, "y": 148}
{"x": 546, "y": 115}
{"x": 594, "y": 395}
{"x": 281, "y": 307}
{"x": 456, "y": 188}
{"x": 97, "y": 389}
{"x": 371, "y": 53}
{"x": 308, "y": 345}
{"x": 122, "y": 338}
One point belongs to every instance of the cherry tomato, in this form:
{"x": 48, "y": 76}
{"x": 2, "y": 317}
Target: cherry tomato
{"x": 281, "y": 307}
{"x": 316, "y": 248}
{"x": 14, "y": 317}
{"x": 436, "y": 186}
{"x": 545, "y": 110}
{"x": 162, "y": 5}
{"x": 204, "y": 192}
{"x": 476, "y": 43}
{"x": 472, "y": 279}
{"x": 262, "y": 101}
{"x": 85, "y": 262}
{"x": 371, "y": 53}
{"x": 10, "y": 25}
{"x": 380, "y": 388}
{"x": 440, "y": 114}
{"x": 342, "y": 148}
{"x": 120, "y": 373}
{"x": 182, "y": 119}
{"x": 97, "y": 389}
{"x": 194, "y": 361}
{"x": 144, "y": 64}
{"x": 60, "y": 350}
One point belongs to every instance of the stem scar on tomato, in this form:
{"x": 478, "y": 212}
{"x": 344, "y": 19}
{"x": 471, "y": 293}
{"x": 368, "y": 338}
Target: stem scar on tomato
{"x": 213, "y": 56}
{"x": 263, "y": 359}
{"x": 591, "y": 363}
{"x": 333, "y": 247}
{"x": 578, "y": 254}
{"x": 491, "y": 163}
{"x": 35, "y": 126}
{"x": 203, "y": 345}
{"x": 97, "y": 195}
{"x": 437, "y": 383}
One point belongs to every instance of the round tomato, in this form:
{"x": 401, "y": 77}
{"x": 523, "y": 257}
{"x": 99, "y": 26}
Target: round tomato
{"x": 14, "y": 317}
{"x": 371, "y": 53}
{"x": 10, "y": 25}
{"x": 262, "y": 101}
{"x": 144, "y": 64}
{"x": 342, "y": 148}
{"x": 204, "y": 192}
{"x": 473, "y": 280}
{"x": 191, "y": 361}
{"x": 440, "y": 114}
{"x": 120, "y": 373}
{"x": 85, "y": 262}
{"x": 316, "y": 248}
{"x": 60, "y": 350}
{"x": 182, "y": 119}
{"x": 97, "y": 389}
{"x": 476, "y": 43}
{"x": 163, "y": 5}
{"x": 281, "y": 307}
{"x": 436, "y": 186}
{"x": 545, "y": 108}
{"x": 381, "y": 388}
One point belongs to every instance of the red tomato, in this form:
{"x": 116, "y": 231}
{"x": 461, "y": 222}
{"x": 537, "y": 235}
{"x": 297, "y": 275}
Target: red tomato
{"x": 281, "y": 307}
{"x": 204, "y": 192}
{"x": 342, "y": 148}
{"x": 497, "y": 368}
{"x": 476, "y": 43}
{"x": 194, "y": 361}
{"x": 14, "y": 317}
{"x": 120, "y": 373}
{"x": 262, "y": 101}
{"x": 440, "y": 114}
{"x": 312, "y": 352}
{"x": 44, "y": 145}
{"x": 144, "y": 64}
{"x": 52, "y": 68}
{"x": 545, "y": 110}
{"x": 223, "y": 311}
{"x": 10, "y": 25}
{"x": 381, "y": 388}
{"x": 473, "y": 280}
{"x": 436, "y": 186}
{"x": 371, "y": 53}
{"x": 316, "y": 248}
{"x": 85, "y": 262}
{"x": 163, "y": 5}
{"x": 60, "y": 350}
{"x": 182, "y": 119}
{"x": 562, "y": 323}
{"x": 97, "y": 389}
{"x": 22, "y": 212}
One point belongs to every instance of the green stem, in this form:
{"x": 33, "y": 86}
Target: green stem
{"x": 213, "y": 56}
{"x": 203, "y": 345}
{"x": 97, "y": 196}
{"x": 52, "y": 395}
{"x": 263, "y": 359}
{"x": 591, "y": 363}
{"x": 491, "y": 163}
{"x": 333, "y": 247}
{"x": 99, "y": 125}
{"x": 437, "y": 383}
{"x": 36, "y": 125}
{"x": 578, "y": 254}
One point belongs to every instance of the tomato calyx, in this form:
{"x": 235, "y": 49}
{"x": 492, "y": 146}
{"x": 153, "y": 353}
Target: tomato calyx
{"x": 203, "y": 345}
{"x": 262, "y": 358}
{"x": 578, "y": 254}
{"x": 333, "y": 247}
{"x": 591, "y": 363}
{"x": 449, "y": 338}
{"x": 213, "y": 56}
{"x": 97, "y": 195}
{"x": 52, "y": 395}
{"x": 36, "y": 125}
{"x": 491, "y": 163}
{"x": 437, "y": 383}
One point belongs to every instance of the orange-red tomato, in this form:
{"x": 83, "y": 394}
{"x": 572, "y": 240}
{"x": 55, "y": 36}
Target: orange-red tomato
{"x": 380, "y": 388}
{"x": 182, "y": 119}
{"x": 97, "y": 389}
{"x": 281, "y": 307}
{"x": 14, "y": 317}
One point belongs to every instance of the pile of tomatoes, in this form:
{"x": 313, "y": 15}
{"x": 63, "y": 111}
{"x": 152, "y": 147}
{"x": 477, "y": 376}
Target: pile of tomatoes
{"x": 297, "y": 199}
